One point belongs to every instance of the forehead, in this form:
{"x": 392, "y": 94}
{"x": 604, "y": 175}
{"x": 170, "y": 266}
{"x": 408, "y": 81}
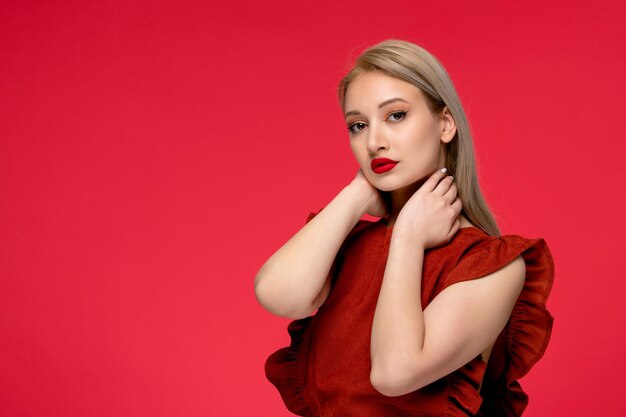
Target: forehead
{"x": 372, "y": 88}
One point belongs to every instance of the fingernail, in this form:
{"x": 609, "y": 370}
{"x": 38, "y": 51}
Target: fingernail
{"x": 444, "y": 169}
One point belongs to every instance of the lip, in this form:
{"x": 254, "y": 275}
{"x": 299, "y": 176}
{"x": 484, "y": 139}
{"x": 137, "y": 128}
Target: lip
{"x": 380, "y": 165}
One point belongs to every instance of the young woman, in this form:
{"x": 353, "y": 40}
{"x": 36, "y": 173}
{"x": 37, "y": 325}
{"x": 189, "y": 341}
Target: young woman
{"x": 427, "y": 311}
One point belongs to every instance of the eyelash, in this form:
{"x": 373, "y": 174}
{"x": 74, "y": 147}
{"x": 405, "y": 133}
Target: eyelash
{"x": 397, "y": 112}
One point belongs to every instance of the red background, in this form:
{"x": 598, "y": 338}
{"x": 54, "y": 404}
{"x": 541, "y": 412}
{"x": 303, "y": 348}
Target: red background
{"x": 154, "y": 154}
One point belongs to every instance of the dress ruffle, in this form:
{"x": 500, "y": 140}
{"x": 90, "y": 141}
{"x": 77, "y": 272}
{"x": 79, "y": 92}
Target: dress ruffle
{"x": 283, "y": 369}
{"x": 525, "y": 338}
{"x": 520, "y": 345}
{"x": 462, "y": 401}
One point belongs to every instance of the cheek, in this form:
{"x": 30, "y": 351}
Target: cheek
{"x": 358, "y": 152}
{"x": 423, "y": 141}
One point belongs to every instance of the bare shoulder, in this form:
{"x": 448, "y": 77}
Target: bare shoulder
{"x": 517, "y": 268}
{"x": 514, "y": 271}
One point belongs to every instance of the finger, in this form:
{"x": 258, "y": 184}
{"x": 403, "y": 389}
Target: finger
{"x": 450, "y": 195}
{"x": 456, "y": 226}
{"x": 443, "y": 186}
{"x": 434, "y": 179}
{"x": 457, "y": 205}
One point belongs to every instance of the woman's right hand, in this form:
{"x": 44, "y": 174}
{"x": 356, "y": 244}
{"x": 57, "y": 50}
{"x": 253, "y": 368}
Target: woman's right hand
{"x": 375, "y": 203}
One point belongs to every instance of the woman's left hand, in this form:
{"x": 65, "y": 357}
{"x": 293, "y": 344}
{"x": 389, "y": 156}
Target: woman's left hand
{"x": 431, "y": 216}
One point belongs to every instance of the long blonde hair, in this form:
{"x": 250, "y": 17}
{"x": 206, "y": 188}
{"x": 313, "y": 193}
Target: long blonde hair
{"x": 411, "y": 63}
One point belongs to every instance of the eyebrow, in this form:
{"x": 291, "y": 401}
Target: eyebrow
{"x": 380, "y": 106}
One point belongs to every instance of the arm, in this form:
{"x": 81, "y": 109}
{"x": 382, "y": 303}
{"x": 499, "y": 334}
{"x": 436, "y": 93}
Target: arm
{"x": 294, "y": 281}
{"x": 411, "y": 348}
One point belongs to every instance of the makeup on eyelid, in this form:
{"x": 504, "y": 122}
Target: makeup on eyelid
{"x": 390, "y": 118}
{"x": 400, "y": 113}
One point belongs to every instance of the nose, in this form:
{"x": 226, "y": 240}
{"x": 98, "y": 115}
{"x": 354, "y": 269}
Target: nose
{"x": 376, "y": 140}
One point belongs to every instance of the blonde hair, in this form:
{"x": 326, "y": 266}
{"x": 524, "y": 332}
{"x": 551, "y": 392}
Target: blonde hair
{"x": 411, "y": 63}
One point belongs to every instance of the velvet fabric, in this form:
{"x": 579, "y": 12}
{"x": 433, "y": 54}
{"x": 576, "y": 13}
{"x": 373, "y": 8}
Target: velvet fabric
{"x": 325, "y": 370}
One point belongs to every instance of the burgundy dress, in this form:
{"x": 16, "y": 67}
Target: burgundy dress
{"x": 325, "y": 371}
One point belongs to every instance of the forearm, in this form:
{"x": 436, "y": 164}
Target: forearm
{"x": 398, "y": 329}
{"x": 292, "y": 277}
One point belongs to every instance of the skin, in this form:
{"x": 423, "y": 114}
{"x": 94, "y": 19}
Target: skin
{"x": 410, "y": 346}
{"x": 390, "y": 118}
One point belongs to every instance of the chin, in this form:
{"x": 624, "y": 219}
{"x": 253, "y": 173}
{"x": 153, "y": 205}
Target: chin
{"x": 387, "y": 189}
{"x": 405, "y": 185}
{"x": 388, "y": 186}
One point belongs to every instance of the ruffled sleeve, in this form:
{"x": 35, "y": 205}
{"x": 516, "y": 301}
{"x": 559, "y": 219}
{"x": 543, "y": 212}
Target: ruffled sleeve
{"x": 525, "y": 338}
{"x": 286, "y": 372}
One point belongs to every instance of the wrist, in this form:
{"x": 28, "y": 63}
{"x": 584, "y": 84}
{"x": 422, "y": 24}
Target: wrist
{"x": 408, "y": 236}
{"x": 358, "y": 196}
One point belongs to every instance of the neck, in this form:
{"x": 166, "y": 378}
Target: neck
{"x": 396, "y": 200}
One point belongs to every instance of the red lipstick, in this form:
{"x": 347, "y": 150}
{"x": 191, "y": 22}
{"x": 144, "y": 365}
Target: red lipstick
{"x": 380, "y": 165}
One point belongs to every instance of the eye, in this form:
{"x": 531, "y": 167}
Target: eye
{"x": 356, "y": 127}
{"x": 396, "y": 116}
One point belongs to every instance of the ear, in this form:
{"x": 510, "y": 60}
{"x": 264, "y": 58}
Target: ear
{"x": 448, "y": 126}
